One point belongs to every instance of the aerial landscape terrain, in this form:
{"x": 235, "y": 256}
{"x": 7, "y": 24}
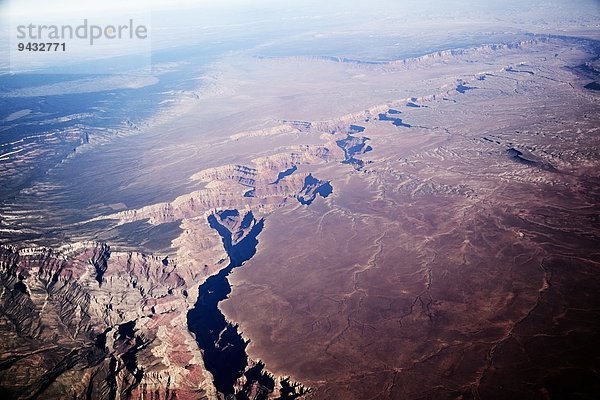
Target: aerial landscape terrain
{"x": 392, "y": 200}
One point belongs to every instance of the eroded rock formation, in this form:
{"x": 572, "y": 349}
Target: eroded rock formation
{"x": 88, "y": 322}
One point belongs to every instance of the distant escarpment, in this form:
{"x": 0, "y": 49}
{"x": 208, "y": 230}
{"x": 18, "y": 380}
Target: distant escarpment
{"x": 477, "y": 51}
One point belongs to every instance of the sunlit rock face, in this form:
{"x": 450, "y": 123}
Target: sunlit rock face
{"x": 89, "y": 320}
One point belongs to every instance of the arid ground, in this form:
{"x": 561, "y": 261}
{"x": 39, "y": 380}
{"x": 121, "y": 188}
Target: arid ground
{"x": 425, "y": 228}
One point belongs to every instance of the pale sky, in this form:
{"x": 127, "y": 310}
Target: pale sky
{"x": 63, "y": 7}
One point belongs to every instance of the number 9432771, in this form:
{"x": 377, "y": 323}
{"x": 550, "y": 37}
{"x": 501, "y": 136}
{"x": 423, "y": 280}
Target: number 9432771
{"x": 34, "y": 46}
